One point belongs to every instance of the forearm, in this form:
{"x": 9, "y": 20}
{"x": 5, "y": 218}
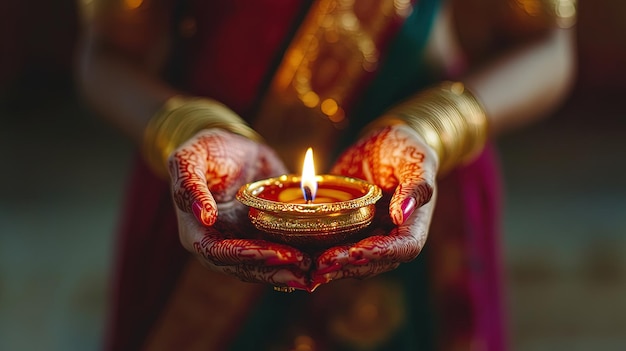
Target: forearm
{"x": 121, "y": 93}
{"x": 510, "y": 91}
{"x": 526, "y": 84}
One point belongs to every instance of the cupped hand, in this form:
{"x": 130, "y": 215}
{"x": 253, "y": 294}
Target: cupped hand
{"x": 206, "y": 173}
{"x": 399, "y": 161}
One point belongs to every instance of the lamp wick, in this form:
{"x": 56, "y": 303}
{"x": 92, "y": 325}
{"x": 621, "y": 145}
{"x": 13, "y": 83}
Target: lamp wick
{"x": 308, "y": 194}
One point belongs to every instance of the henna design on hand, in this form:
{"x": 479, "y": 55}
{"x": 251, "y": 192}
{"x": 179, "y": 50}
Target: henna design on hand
{"x": 221, "y": 252}
{"x": 278, "y": 276}
{"x": 211, "y": 167}
{"x": 333, "y": 259}
{"x": 370, "y": 255}
{"x": 393, "y": 158}
{"x": 403, "y": 244}
{"x": 214, "y": 164}
{"x": 249, "y": 260}
{"x": 353, "y": 271}
{"x": 398, "y": 160}
{"x": 377, "y": 253}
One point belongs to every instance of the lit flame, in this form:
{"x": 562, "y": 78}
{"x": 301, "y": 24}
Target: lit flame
{"x": 308, "y": 182}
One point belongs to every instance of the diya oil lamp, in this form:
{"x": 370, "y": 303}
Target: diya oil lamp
{"x": 310, "y": 211}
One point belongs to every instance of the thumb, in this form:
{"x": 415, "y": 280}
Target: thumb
{"x": 412, "y": 192}
{"x": 189, "y": 187}
{"x": 205, "y": 210}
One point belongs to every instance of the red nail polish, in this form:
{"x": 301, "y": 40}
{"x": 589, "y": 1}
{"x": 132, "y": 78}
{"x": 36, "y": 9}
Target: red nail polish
{"x": 196, "y": 208}
{"x": 407, "y": 208}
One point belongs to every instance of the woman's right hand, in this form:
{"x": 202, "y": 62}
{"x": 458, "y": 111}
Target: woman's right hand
{"x": 206, "y": 173}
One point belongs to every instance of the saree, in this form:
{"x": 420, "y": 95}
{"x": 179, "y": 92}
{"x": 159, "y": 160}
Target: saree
{"x": 291, "y": 68}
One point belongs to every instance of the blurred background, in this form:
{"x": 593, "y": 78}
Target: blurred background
{"x": 565, "y": 182}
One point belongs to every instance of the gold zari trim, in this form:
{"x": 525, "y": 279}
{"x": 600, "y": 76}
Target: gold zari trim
{"x": 448, "y": 117}
{"x": 179, "y": 119}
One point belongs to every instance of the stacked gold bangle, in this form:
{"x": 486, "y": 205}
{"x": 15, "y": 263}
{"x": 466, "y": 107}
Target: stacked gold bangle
{"x": 179, "y": 119}
{"x": 448, "y": 117}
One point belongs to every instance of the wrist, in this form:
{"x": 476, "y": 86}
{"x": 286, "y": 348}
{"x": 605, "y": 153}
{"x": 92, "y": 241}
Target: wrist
{"x": 449, "y": 119}
{"x": 179, "y": 119}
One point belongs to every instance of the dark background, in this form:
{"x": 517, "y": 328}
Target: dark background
{"x": 62, "y": 176}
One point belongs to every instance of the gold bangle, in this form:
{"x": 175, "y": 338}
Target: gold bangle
{"x": 448, "y": 117}
{"x": 179, "y": 119}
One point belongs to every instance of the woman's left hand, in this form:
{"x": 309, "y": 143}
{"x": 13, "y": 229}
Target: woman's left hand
{"x": 399, "y": 161}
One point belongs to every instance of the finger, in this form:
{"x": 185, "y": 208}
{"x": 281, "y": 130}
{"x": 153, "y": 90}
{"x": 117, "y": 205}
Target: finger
{"x": 416, "y": 178}
{"x": 213, "y": 247}
{"x": 358, "y": 272}
{"x": 403, "y": 244}
{"x": 333, "y": 259}
{"x": 282, "y": 277}
{"x": 380, "y": 248}
{"x": 191, "y": 194}
{"x": 412, "y": 192}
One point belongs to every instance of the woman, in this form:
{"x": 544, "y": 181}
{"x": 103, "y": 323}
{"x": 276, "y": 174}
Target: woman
{"x": 200, "y": 84}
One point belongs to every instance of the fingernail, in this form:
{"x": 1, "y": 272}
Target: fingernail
{"x": 407, "y": 208}
{"x": 196, "y": 208}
